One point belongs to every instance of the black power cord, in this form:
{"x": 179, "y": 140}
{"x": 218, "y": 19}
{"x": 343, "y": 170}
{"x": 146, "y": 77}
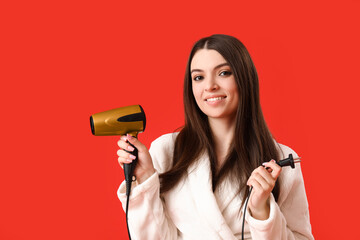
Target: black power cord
{"x": 128, "y": 190}
{"x": 290, "y": 161}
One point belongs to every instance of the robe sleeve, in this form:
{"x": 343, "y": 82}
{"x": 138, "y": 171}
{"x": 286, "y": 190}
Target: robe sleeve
{"x": 289, "y": 217}
{"x": 147, "y": 215}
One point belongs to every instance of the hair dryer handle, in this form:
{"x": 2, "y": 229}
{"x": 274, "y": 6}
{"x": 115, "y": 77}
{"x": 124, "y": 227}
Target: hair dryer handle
{"x": 129, "y": 169}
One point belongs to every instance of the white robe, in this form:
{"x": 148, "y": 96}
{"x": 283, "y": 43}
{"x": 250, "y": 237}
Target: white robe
{"x": 191, "y": 210}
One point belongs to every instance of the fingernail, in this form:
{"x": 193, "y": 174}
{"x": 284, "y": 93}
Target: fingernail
{"x": 130, "y": 148}
{"x": 129, "y": 160}
{"x": 264, "y": 163}
{"x": 132, "y": 157}
{"x": 273, "y": 161}
{"x": 129, "y": 136}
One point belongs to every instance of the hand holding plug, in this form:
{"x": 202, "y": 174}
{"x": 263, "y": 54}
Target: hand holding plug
{"x": 263, "y": 179}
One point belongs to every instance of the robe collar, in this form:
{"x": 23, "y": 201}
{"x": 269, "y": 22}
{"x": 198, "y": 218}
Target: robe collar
{"x": 199, "y": 176}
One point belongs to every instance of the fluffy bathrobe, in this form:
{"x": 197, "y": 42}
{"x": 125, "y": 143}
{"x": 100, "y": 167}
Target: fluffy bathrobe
{"x": 192, "y": 211}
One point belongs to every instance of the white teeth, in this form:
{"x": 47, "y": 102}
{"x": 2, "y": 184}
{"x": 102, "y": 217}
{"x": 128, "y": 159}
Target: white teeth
{"x": 214, "y": 99}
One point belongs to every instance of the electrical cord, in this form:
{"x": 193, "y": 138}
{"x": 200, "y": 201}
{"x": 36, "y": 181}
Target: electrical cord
{"x": 128, "y": 190}
{"x": 290, "y": 161}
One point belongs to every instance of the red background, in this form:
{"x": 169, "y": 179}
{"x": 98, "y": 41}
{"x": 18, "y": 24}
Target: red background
{"x": 62, "y": 61}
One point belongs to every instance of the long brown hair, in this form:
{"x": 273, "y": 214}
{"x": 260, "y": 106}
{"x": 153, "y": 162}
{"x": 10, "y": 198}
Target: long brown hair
{"x": 252, "y": 144}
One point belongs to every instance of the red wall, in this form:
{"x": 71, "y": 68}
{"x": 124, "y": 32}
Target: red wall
{"x": 62, "y": 61}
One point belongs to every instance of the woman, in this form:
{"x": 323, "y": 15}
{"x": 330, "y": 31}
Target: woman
{"x": 193, "y": 184}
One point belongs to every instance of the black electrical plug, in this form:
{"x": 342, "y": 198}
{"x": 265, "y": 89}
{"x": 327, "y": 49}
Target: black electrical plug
{"x": 290, "y": 161}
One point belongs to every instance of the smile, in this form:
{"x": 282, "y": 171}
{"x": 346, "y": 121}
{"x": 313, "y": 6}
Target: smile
{"x": 214, "y": 99}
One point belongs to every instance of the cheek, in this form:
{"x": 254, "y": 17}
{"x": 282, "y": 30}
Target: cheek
{"x": 234, "y": 92}
{"x": 197, "y": 92}
{"x": 232, "y": 88}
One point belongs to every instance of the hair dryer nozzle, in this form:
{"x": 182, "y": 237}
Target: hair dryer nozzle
{"x": 119, "y": 121}
{"x": 92, "y": 125}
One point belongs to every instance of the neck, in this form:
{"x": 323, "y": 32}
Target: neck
{"x": 223, "y": 133}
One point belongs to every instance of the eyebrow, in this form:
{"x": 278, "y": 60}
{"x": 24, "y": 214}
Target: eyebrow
{"x": 218, "y": 66}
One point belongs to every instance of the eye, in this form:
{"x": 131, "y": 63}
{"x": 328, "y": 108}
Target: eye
{"x": 225, "y": 73}
{"x": 197, "y": 78}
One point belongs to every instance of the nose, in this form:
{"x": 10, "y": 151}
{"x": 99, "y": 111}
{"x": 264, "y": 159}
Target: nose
{"x": 211, "y": 85}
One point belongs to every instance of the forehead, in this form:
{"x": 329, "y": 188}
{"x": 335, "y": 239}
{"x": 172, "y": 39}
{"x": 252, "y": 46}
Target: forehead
{"x": 206, "y": 59}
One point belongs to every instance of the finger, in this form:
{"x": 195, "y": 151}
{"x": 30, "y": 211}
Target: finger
{"x": 276, "y": 169}
{"x": 134, "y": 141}
{"x": 265, "y": 184}
{"x": 266, "y": 175}
{"x": 256, "y": 176}
{"x": 124, "y": 154}
{"x": 255, "y": 184}
{"x": 122, "y": 160}
{"x": 267, "y": 168}
{"x": 125, "y": 145}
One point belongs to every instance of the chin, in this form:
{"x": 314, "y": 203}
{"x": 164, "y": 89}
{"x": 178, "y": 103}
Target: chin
{"x": 216, "y": 115}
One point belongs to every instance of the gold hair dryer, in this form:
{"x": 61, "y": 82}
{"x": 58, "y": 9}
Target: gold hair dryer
{"x": 120, "y": 121}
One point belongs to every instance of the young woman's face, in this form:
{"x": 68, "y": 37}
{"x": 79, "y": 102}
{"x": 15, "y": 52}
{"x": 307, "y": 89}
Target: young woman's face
{"x": 213, "y": 84}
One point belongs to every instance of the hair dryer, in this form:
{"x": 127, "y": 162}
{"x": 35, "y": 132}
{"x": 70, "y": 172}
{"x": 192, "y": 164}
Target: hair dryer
{"x": 120, "y": 121}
